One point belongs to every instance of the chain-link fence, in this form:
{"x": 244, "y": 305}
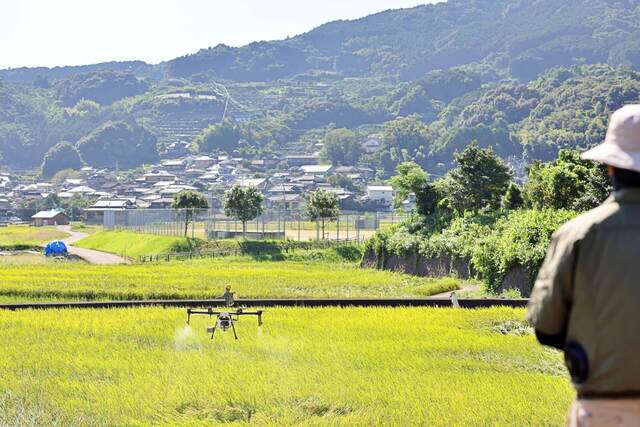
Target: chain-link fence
{"x": 272, "y": 224}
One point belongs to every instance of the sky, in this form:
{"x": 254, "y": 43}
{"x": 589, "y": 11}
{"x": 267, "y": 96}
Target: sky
{"x": 77, "y": 32}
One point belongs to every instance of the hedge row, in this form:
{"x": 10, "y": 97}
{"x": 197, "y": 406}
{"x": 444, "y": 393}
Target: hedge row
{"x": 493, "y": 244}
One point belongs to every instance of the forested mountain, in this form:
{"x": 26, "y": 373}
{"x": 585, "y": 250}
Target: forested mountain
{"x": 526, "y": 77}
{"x": 526, "y": 37}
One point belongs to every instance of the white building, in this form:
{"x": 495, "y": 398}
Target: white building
{"x": 372, "y": 145}
{"x": 317, "y": 170}
{"x": 382, "y": 194}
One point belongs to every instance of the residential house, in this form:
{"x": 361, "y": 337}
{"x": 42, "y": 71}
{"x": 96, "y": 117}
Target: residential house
{"x": 301, "y": 160}
{"x": 175, "y": 149}
{"x": 372, "y": 145}
{"x": 158, "y": 176}
{"x": 259, "y": 183}
{"x": 52, "y": 217}
{"x": 94, "y": 214}
{"x": 203, "y": 162}
{"x": 289, "y": 202}
{"x": 174, "y": 165}
{"x": 161, "y": 203}
{"x": 380, "y": 194}
{"x": 317, "y": 170}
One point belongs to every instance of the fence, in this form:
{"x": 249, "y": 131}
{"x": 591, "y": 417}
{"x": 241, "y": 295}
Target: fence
{"x": 272, "y": 224}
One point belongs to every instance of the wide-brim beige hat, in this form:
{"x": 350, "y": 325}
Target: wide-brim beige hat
{"x": 621, "y": 146}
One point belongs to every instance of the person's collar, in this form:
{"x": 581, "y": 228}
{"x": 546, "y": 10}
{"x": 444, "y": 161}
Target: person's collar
{"x": 627, "y": 195}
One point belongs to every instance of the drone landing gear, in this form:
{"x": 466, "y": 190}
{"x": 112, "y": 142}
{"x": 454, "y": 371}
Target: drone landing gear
{"x": 233, "y": 328}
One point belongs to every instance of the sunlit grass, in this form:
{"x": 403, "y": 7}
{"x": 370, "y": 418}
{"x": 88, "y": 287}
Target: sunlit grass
{"x": 19, "y": 235}
{"x": 131, "y": 244}
{"x": 208, "y": 278}
{"x": 326, "y": 366}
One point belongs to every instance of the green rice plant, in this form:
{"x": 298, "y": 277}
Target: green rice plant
{"x": 207, "y": 278}
{"x": 16, "y": 237}
{"x": 329, "y": 366}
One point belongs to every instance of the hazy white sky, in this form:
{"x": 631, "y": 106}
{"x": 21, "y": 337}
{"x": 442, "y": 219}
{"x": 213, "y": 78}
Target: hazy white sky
{"x": 75, "y": 32}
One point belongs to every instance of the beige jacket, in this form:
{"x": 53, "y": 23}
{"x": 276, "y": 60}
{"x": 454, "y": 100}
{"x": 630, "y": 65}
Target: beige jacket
{"x": 589, "y": 287}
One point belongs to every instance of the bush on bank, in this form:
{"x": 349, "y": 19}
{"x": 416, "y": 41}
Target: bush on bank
{"x": 492, "y": 243}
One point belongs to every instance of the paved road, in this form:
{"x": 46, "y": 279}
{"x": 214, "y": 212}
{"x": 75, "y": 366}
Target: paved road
{"x": 89, "y": 255}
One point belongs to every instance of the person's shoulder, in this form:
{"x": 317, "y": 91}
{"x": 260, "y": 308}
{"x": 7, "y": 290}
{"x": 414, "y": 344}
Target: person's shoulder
{"x": 580, "y": 226}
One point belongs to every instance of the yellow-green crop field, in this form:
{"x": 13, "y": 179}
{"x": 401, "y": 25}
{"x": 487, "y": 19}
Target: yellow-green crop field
{"x": 28, "y": 236}
{"x": 207, "y": 278}
{"x": 131, "y": 244}
{"x": 328, "y": 366}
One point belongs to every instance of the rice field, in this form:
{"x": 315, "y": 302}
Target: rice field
{"x": 329, "y": 366}
{"x": 24, "y": 236}
{"x": 207, "y": 278}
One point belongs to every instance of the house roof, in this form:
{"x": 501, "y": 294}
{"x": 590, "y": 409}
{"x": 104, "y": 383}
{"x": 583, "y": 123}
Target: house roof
{"x": 82, "y": 189}
{"x": 379, "y": 188}
{"x": 316, "y": 168}
{"x": 47, "y": 214}
{"x": 113, "y": 203}
{"x": 252, "y": 182}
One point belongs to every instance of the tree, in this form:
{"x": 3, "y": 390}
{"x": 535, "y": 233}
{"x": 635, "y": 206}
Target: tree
{"x": 409, "y": 178}
{"x": 75, "y": 207}
{"x": 342, "y": 181}
{"x": 191, "y": 201}
{"x": 479, "y": 181}
{"x": 406, "y": 139}
{"x": 118, "y": 144}
{"x": 342, "y": 147}
{"x": 52, "y": 201}
{"x": 322, "y": 205}
{"x": 512, "y": 199}
{"x": 566, "y": 183}
{"x": 224, "y": 136}
{"x": 60, "y": 157}
{"x": 412, "y": 179}
{"x": 243, "y": 204}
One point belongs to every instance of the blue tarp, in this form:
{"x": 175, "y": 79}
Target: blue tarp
{"x": 56, "y": 248}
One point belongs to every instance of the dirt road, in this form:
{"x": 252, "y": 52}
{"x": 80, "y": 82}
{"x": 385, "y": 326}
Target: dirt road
{"x": 89, "y": 255}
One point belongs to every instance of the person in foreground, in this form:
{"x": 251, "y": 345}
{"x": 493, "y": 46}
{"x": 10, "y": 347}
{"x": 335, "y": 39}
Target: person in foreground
{"x": 586, "y": 299}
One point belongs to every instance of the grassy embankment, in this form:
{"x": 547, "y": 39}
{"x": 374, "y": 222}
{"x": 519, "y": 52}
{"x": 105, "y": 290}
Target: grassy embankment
{"x": 84, "y": 228}
{"x": 207, "y": 278}
{"x": 17, "y": 237}
{"x": 328, "y": 366}
{"x": 130, "y": 244}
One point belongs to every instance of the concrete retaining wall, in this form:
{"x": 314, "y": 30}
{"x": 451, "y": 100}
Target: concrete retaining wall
{"x": 441, "y": 266}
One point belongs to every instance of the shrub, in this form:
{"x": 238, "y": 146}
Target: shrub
{"x": 521, "y": 238}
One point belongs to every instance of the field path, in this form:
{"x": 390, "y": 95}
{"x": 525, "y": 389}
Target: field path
{"x": 467, "y": 287}
{"x": 89, "y": 255}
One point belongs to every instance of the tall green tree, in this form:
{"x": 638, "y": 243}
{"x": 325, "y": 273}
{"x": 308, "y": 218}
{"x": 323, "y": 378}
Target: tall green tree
{"x": 512, "y": 199}
{"x": 322, "y": 205}
{"x": 224, "y": 137}
{"x": 479, "y": 181}
{"x": 566, "y": 183}
{"x": 405, "y": 138}
{"x": 60, "y": 157}
{"x": 410, "y": 179}
{"x": 342, "y": 147}
{"x": 118, "y": 143}
{"x": 190, "y": 202}
{"x": 243, "y": 204}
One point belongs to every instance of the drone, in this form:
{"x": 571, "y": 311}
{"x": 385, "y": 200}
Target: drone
{"x": 225, "y": 319}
